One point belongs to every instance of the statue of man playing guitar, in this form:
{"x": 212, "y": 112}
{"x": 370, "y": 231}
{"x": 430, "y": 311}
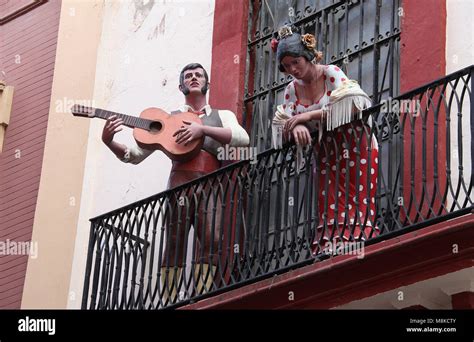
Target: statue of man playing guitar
{"x": 218, "y": 128}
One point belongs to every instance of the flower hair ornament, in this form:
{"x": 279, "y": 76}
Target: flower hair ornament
{"x": 309, "y": 41}
{"x": 283, "y": 32}
{"x": 274, "y": 44}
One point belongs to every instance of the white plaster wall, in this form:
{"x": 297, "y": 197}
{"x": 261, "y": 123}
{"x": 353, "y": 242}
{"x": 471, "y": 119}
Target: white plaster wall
{"x": 142, "y": 50}
{"x": 460, "y": 54}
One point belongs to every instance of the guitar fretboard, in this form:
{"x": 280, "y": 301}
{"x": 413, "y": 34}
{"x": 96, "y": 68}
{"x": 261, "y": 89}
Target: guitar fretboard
{"x": 131, "y": 121}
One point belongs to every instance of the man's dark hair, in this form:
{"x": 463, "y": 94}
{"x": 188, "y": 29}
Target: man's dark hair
{"x": 190, "y": 67}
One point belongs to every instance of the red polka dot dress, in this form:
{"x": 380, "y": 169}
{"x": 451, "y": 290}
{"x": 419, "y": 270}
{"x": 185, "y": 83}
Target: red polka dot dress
{"x": 345, "y": 171}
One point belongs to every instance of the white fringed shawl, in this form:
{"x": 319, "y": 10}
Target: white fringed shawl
{"x": 342, "y": 101}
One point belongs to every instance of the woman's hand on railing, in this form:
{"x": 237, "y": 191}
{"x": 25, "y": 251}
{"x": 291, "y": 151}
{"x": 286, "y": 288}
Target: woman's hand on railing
{"x": 301, "y": 135}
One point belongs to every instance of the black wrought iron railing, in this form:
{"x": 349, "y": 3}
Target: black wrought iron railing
{"x": 406, "y": 164}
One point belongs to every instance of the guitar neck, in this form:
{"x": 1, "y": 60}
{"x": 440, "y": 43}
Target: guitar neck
{"x": 128, "y": 120}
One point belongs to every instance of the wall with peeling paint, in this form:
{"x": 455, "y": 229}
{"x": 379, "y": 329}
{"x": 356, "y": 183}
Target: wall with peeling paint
{"x": 143, "y": 47}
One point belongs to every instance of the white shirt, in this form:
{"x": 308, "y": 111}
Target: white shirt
{"x": 136, "y": 154}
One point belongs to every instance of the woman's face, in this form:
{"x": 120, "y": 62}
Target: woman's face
{"x": 298, "y": 67}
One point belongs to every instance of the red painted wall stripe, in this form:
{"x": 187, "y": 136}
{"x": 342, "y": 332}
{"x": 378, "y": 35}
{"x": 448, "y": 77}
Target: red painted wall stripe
{"x": 463, "y": 301}
{"x": 228, "y": 68}
{"x": 33, "y": 37}
{"x": 423, "y": 42}
{"x": 422, "y": 60}
{"x": 228, "y": 56}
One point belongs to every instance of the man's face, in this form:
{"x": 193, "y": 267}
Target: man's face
{"x": 194, "y": 80}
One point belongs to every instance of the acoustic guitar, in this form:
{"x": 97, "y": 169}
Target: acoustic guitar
{"x": 153, "y": 129}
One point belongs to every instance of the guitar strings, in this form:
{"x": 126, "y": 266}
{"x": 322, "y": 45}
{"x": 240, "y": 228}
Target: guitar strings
{"x": 127, "y": 119}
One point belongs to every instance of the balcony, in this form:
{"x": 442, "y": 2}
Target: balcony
{"x": 256, "y": 219}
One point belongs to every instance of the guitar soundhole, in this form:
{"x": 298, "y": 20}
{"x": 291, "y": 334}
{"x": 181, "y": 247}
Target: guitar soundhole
{"x": 156, "y": 126}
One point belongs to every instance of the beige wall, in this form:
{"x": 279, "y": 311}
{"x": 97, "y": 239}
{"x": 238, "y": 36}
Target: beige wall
{"x": 48, "y": 276}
